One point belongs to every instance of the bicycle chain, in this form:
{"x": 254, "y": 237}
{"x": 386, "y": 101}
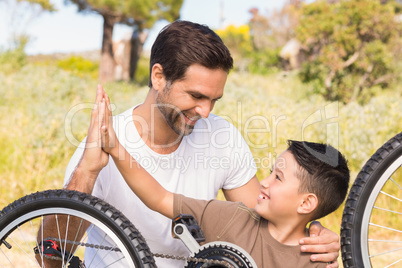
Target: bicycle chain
{"x": 157, "y": 255}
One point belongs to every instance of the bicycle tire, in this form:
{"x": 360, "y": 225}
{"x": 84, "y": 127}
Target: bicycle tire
{"x": 29, "y": 211}
{"x": 370, "y": 211}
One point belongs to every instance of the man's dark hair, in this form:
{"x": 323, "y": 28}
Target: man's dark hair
{"x": 323, "y": 170}
{"x": 183, "y": 43}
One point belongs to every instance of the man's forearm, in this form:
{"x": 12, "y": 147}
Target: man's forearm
{"x": 82, "y": 180}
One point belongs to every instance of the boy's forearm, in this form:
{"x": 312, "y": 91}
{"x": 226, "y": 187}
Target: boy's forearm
{"x": 151, "y": 193}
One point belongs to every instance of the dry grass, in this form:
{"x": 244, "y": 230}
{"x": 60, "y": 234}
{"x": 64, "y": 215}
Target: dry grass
{"x": 36, "y": 101}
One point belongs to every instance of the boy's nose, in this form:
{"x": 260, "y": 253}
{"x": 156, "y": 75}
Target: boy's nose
{"x": 265, "y": 182}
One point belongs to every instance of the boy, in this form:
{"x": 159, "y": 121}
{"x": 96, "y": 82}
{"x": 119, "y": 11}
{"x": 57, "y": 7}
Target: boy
{"x": 300, "y": 188}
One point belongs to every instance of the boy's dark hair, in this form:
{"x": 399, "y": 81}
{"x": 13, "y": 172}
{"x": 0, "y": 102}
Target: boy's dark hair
{"x": 323, "y": 170}
{"x": 183, "y": 43}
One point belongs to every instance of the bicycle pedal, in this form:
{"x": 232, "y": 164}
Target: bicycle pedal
{"x": 186, "y": 228}
{"x": 192, "y": 226}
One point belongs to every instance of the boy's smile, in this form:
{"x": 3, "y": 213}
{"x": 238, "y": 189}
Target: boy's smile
{"x": 279, "y": 195}
{"x": 262, "y": 196}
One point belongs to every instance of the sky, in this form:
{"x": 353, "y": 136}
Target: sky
{"x": 67, "y": 30}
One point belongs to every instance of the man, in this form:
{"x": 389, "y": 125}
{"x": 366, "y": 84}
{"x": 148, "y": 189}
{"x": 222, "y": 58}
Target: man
{"x": 175, "y": 138}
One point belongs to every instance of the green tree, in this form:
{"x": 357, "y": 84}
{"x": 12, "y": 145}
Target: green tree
{"x": 246, "y": 56}
{"x": 349, "y": 45}
{"x": 141, "y": 14}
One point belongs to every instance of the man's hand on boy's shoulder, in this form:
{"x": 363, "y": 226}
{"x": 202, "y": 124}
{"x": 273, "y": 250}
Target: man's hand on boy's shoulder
{"x": 324, "y": 243}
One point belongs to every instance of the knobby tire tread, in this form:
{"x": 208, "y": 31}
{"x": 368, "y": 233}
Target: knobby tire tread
{"x": 88, "y": 204}
{"x": 359, "y": 194}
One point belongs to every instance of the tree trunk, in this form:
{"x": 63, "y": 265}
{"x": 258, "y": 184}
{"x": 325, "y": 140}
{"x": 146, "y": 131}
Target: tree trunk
{"x": 106, "y": 69}
{"x": 328, "y": 85}
{"x": 137, "y": 42}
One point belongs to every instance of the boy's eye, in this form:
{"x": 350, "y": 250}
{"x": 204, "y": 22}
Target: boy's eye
{"x": 277, "y": 177}
{"x": 270, "y": 171}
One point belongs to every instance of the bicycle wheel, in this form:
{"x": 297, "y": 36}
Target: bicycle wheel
{"x": 371, "y": 232}
{"x": 121, "y": 243}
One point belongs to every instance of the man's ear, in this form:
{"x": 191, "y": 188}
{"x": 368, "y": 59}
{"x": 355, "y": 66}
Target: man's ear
{"x": 157, "y": 77}
{"x": 308, "y": 203}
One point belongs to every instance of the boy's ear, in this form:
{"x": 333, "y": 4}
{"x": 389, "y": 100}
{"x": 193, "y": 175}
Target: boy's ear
{"x": 308, "y": 204}
{"x": 157, "y": 77}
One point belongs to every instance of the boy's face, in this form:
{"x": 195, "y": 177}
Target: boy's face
{"x": 279, "y": 198}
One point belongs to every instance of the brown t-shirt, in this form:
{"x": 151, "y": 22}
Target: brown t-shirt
{"x": 235, "y": 223}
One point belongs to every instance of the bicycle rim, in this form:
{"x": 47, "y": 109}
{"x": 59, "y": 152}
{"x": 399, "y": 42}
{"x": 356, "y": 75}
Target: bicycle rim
{"x": 371, "y": 234}
{"x": 119, "y": 243}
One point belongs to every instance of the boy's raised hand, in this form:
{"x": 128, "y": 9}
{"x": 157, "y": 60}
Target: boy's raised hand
{"x": 137, "y": 178}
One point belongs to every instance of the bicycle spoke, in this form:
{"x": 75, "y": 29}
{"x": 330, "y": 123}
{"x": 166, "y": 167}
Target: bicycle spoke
{"x": 393, "y": 263}
{"x": 384, "y": 227}
{"x": 386, "y": 241}
{"x": 5, "y": 255}
{"x": 385, "y": 252}
{"x": 97, "y": 250}
{"x": 391, "y": 196}
{"x": 29, "y": 257}
{"x": 115, "y": 262}
{"x": 391, "y": 179}
{"x": 75, "y": 239}
{"x": 26, "y": 243}
{"x": 388, "y": 210}
{"x": 1, "y": 265}
{"x": 37, "y": 243}
{"x": 66, "y": 237}
{"x": 105, "y": 255}
{"x": 59, "y": 236}
{"x": 372, "y": 222}
{"x": 50, "y": 215}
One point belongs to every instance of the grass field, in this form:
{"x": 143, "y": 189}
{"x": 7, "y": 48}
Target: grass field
{"x": 44, "y": 112}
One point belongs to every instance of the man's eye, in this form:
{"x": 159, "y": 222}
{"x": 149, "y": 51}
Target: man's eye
{"x": 196, "y": 96}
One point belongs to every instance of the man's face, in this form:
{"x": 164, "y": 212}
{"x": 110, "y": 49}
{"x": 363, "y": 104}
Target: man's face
{"x": 191, "y": 98}
{"x": 279, "y": 196}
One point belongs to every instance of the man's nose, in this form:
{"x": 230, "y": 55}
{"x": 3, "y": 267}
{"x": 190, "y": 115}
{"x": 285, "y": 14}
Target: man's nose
{"x": 204, "y": 108}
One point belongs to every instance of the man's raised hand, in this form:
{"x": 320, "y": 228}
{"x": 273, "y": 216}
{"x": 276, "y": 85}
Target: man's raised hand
{"x": 109, "y": 140}
{"x": 94, "y": 158}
